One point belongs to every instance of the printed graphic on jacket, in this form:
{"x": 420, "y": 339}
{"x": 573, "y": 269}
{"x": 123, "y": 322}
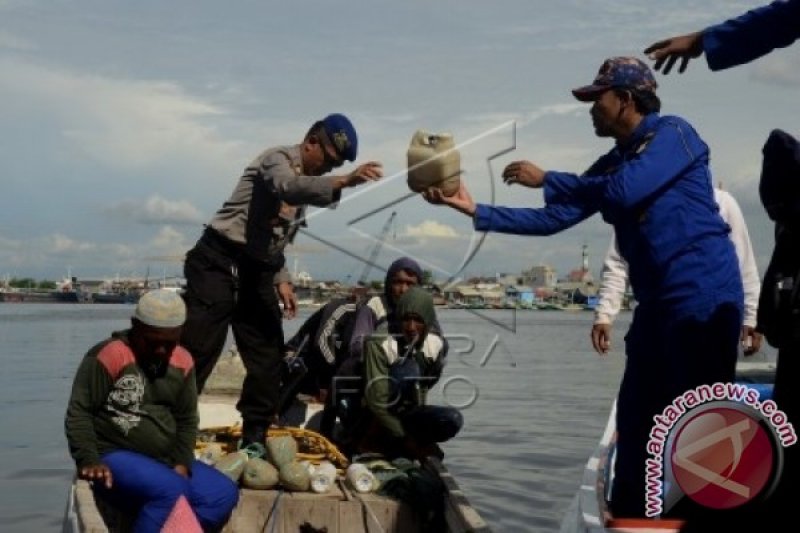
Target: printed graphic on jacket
{"x": 125, "y": 400}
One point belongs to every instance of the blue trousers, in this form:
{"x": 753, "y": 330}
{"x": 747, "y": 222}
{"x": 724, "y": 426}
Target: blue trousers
{"x": 151, "y": 488}
{"x": 665, "y": 358}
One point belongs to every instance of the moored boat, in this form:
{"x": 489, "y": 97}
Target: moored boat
{"x": 27, "y": 296}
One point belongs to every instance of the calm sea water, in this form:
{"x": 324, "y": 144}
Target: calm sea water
{"x": 535, "y": 399}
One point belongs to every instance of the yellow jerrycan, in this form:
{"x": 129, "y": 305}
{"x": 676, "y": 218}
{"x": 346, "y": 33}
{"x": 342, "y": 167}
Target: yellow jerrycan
{"x": 433, "y": 161}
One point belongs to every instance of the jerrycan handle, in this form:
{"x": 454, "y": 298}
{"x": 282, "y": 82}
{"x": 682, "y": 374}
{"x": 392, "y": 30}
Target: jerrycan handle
{"x": 422, "y": 137}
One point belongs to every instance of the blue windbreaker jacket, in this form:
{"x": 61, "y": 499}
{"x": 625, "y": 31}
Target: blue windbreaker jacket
{"x": 656, "y": 191}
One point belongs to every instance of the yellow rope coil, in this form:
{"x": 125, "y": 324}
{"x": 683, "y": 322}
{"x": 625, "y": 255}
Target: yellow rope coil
{"x": 311, "y": 446}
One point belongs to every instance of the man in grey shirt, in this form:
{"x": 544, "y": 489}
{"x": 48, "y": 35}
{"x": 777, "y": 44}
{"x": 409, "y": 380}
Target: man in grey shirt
{"x": 235, "y": 273}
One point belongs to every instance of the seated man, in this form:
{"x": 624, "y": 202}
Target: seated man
{"x": 331, "y": 340}
{"x": 398, "y": 371}
{"x": 334, "y": 334}
{"x": 131, "y": 425}
{"x": 314, "y": 353}
{"x": 402, "y": 274}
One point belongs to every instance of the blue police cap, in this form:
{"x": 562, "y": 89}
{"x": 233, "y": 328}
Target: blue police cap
{"x": 618, "y": 72}
{"x": 342, "y": 135}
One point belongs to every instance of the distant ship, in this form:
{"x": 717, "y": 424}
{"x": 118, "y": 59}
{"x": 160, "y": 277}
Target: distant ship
{"x": 67, "y": 290}
{"x": 29, "y": 296}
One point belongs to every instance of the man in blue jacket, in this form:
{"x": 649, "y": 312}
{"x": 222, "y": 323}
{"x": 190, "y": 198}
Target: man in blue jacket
{"x": 733, "y": 42}
{"x": 655, "y": 188}
{"x": 728, "y": 44}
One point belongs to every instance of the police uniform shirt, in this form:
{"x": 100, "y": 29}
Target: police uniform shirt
{"x": 268, "y": 202}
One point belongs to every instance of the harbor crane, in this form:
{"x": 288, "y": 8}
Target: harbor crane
{"x": 362, "y": 279}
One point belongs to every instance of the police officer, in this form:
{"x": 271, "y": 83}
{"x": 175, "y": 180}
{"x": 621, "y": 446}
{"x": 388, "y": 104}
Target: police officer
{"x": 235, "y": 273}
{"x": 655, "y": 188}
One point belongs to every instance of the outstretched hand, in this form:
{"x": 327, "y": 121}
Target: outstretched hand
{"x": 371, "y": 171}
{"x": 683, "y": 47}
{"x": 98, "y": 472}
{"x": 460, "y": 201}
{"x": 523, "y": 173}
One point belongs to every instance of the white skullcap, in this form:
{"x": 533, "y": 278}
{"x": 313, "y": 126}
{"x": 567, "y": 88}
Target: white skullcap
{"x": 161, "y": 308}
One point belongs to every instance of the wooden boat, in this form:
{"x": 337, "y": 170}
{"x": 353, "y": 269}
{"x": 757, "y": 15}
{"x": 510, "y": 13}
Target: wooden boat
{"x": 341, "y": 510}
{"x": 589, "y": 511}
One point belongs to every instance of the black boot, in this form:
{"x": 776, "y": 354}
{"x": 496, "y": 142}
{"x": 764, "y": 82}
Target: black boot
{"x": 253, "y": 433}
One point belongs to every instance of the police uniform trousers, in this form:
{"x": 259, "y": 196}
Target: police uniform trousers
{"x": 225, "y": 287}
{"x": 666, "y": 356}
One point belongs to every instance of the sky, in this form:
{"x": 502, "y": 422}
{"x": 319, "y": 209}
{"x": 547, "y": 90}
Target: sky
{"x": 125, "y": 125}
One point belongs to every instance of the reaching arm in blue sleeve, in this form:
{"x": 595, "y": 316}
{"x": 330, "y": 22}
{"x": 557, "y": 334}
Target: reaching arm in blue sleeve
{"x": 546, "y": 220}
{"x": 752, "y": 35}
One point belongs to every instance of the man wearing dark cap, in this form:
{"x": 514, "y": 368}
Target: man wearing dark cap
{"x": 131, "y": 425}
{"x": 235, "y": 273}
{"x": 655, "y": 188}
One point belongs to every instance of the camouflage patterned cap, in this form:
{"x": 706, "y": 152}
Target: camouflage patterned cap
{"x": 618, "y": 72}
{"x": 161, "y": 308}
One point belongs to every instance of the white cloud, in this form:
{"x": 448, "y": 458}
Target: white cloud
{"x": 576, "y": 108}
{"x": 120, "y": 251}
{"x": 430, "y": 229}
{"x": 124, "y": 123}
{"x": 169, "y": 239}
{"x": 157, "y": 210}
{"x": 61, "y": 244}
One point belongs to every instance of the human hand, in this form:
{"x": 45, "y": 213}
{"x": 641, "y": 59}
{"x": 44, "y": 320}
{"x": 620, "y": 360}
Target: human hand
{"x": 683, "y": 47}
{"x": 288, "y": 299}
{"x": 460, "y": 201}
{"x": 98, "y": 472}
{"x": 751, "y": 340}
{"x": 371, "y": 171}
{"x": 601, "y": 338}
{"x": 524, "y": 173}
{"x": 181, "y": 470}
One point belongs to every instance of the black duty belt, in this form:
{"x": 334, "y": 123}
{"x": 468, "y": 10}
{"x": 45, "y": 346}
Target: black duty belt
{"x": 237, "y": 253}
{"x": 222, "y": 245}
